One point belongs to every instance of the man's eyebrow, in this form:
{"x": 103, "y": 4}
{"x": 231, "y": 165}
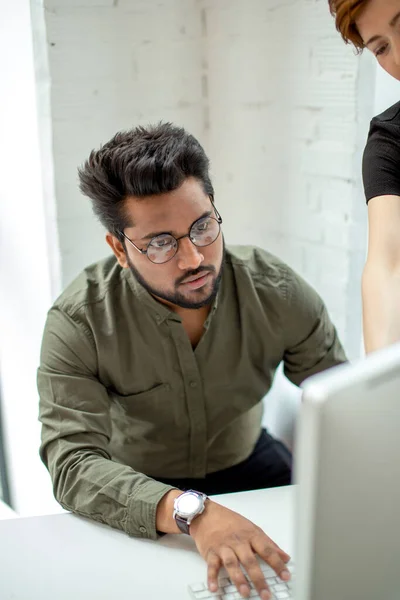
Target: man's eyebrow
{"x": 392, "y": 23}
{"x": 153, "y": 234}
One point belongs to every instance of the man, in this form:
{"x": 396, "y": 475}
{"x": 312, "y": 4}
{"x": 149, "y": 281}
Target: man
{"x": 155, "y": 362}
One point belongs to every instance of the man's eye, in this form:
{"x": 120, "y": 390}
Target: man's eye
{"x": 202, "y": 226}
{"x": 162, "y": 243}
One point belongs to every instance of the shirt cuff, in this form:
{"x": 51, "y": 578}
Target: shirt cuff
{"x": 142, "y": 509}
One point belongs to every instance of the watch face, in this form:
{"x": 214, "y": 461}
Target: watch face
{"x": 188, "y": 504}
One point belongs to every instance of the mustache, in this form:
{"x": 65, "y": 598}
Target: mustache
{"x": 193, "y": 273}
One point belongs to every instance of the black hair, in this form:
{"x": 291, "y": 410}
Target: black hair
{"x": 141, "y": 162}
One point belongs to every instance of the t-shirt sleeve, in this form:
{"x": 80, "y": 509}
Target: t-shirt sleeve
{"x": 381, "y": 160}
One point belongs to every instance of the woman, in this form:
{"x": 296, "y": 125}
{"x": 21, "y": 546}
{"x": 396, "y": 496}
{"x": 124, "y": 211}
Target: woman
{"x": 375, "y": 25}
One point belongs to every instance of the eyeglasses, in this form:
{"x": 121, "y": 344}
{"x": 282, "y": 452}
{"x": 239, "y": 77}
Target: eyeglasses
{"x": 163, "y": 247}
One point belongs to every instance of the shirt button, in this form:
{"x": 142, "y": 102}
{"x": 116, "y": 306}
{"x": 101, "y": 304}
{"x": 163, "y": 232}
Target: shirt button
{"x": 142, "y": 529}
{"x": 193, "y": 384}
{"x": 158, "y": 319}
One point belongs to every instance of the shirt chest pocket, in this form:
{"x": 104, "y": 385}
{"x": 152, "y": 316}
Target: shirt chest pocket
{"x": 152, "y": 408}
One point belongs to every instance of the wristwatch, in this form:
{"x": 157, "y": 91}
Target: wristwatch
{"x": 188, "y": 506}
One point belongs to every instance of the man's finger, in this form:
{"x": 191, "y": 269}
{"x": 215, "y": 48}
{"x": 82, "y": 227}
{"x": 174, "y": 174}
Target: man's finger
{"x": 231, "y": 563}
{"x": 252, "y": 567}
{"x": 214, "y": 565}
{"x": 263, "y": 541}
{"x": 274, "y": 557}
{"x": 266, "y": 541}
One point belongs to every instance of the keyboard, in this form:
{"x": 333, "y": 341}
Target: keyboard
{"x": 281, "y": 590}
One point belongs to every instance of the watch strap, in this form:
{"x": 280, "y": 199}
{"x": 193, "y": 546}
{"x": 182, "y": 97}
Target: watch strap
{"x": 182, "y": 524}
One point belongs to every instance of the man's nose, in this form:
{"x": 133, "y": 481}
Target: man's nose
{"x": 189, "y": 256}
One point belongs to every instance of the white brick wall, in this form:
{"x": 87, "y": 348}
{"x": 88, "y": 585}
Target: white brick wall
{"x": 279, "y": 102}
{"x": 113, "y": 67}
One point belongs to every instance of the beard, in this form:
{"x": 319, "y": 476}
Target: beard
{"x": 176, "y": 297}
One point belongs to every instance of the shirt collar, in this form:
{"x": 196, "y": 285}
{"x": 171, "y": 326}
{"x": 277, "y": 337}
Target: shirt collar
{"x": 161, "y": 311}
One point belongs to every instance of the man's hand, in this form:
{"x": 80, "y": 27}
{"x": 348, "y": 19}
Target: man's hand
{"x": 226, "y": 539}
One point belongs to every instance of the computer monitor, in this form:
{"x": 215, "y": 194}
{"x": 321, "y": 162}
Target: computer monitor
{"x": 347, "y": 466}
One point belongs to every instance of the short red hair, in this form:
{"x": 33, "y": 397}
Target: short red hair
{"x": 346, "y": 12}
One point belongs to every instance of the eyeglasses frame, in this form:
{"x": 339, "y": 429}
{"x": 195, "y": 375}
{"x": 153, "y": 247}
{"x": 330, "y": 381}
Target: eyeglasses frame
{"x": 187, "y": 235}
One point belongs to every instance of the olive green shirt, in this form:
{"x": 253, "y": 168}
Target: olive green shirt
{"x": 125, "y": 399}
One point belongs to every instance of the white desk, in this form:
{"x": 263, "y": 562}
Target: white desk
{"x": 64, "y": 557}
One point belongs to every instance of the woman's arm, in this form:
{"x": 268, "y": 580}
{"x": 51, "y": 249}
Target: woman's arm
{"x": 381, "y": 276}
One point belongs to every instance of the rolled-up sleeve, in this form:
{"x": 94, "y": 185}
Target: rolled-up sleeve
{"x": 74, "y": 411}
{"x": 311, "y": 340}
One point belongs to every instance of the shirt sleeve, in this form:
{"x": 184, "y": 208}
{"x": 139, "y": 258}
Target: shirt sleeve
{"x": 76, "y": 431}
{"x": 311, "y": 340}
{"x": 381, "y": 159}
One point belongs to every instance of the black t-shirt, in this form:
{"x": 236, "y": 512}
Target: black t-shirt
{"x": 381, "y": 161}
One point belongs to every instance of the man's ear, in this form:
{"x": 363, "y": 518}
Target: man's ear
{"x": 118, "y": 249}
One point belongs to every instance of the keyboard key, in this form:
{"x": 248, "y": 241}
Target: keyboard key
{"x": 229, "y": 589}
{"x": 266, "y": 569}
{"x": 279, "y": 587}
{"x": 197, "y": 587}
{"x": 281, "y": 595}
{"x": 206, "y": 594}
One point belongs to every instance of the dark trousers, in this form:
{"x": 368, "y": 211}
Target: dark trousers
{"x": 269, "y": 465}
